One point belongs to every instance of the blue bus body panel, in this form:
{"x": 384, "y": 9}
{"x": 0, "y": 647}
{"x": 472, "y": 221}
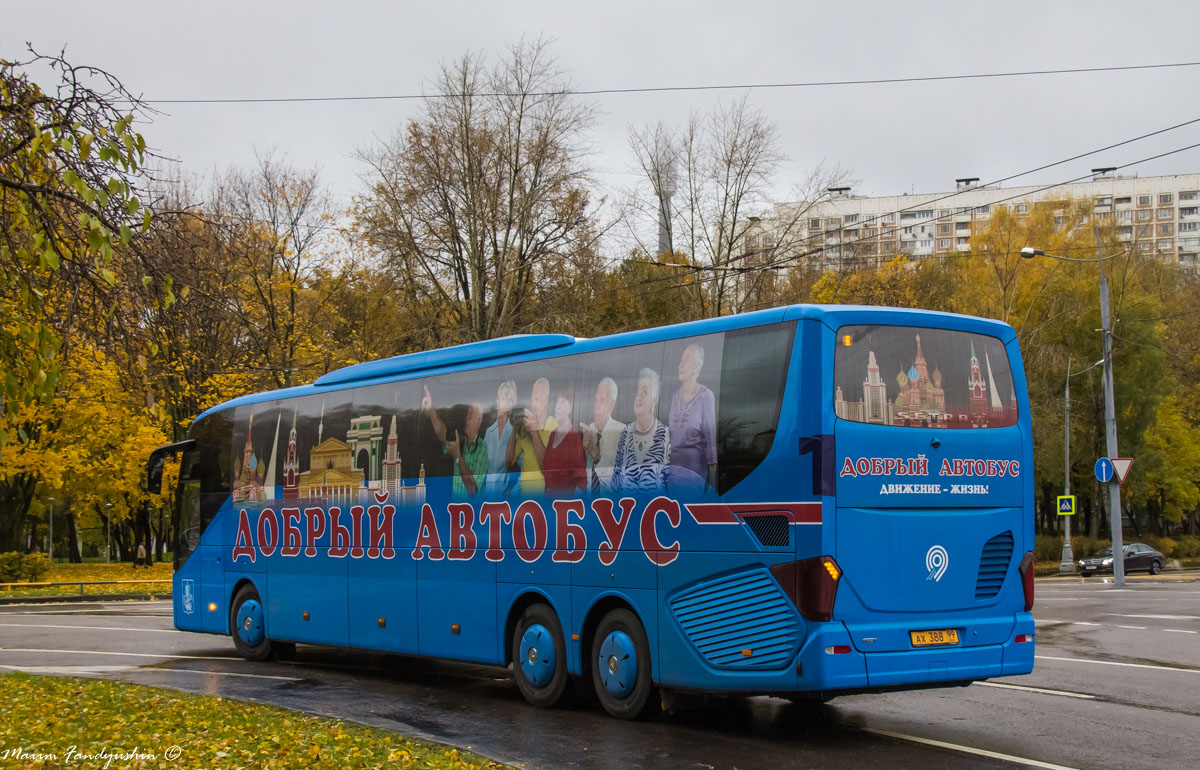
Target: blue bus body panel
{"x": 383, "y": 603}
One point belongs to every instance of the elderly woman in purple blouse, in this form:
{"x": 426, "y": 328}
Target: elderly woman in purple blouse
{"x": 693, "y": 424}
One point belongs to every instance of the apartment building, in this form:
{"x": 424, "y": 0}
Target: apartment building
{"x": 1158, "y": 215}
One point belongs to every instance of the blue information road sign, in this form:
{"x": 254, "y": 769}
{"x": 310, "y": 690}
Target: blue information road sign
{"x": 1103, "y": 470}
{"x": 1066, "y": 505}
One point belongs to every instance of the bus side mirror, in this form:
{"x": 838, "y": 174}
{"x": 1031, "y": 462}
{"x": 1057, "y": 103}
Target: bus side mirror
{"x": 158, "y": 458}
{"x": 824, "y": 465}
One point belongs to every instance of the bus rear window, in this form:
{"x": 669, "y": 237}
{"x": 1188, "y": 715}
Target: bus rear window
{"x": 918, "y": 377}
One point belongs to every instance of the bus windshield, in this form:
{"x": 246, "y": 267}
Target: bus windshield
{"x": 905, "y": 376}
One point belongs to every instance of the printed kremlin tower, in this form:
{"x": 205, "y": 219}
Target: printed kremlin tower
{"x": 332, "y": 475}
{"x": 922, "y": 401}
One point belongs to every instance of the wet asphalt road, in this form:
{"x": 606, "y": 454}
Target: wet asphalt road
{"x": 1117, "y": 684}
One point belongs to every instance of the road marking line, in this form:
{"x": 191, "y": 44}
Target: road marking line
{"x": 77, "y": 670}
{"x": 967, "y": 749}
{"x": 125, "y": 654}
{"x": 1042, "y": 690}
{"x": 69, "y": 670}
{"x": 216, "y": 673}
{"x": 96, "y": 628}
{"x": 1083, "y": 623}
{"x": 1155, "y": 617}
{"x": 1115, "y": 663}
{"x": 1178, "y": 631}
{"x": 1133, "y": 628}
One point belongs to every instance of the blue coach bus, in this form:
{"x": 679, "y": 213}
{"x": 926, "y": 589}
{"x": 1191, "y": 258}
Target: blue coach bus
{"x": 803, "y": 501}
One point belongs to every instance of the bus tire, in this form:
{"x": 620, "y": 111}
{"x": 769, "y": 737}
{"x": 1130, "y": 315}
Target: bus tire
{"x": 248, "y": 625}
{"x": 620, "y": 666}
{"x": 540, "y": 656}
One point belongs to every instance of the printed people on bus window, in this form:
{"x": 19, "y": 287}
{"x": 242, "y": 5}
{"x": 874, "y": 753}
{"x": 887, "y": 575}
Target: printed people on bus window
{"x": 527, "y": 445}
{"x": 693, "y": 424}
{"x": 644, "y": 451}
{"x": 563, "y": 464}
{"x": 499, "y": 480}
{"x": 601, "y": 437}
{"x": 469, "y": 452}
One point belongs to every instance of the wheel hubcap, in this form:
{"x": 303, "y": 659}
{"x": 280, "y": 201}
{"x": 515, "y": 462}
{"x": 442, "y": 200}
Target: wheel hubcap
{"x": 618, "y": 664}
{"x": 250, "y": 623}
{"x": 536, "y": 654}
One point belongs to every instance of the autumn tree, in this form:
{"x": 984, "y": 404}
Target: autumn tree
{"x": 70, "y": 162}
{"x": 277, "y": 225}
{"x": 1054, "y": 307}
{"x": 705, "y": 190}
{"x": 474, "y": 203}
{"x": 91, "y": 450}
{"x": 899, "y": 282}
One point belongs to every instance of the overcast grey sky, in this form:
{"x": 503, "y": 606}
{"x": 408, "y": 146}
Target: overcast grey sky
{"x": 893, "y": 138}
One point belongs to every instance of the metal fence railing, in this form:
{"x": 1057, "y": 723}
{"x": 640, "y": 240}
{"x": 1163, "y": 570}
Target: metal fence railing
{"x": 9, "y": 587}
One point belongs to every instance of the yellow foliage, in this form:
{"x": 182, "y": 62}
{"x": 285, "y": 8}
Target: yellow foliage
{"x": 90, "y": 443}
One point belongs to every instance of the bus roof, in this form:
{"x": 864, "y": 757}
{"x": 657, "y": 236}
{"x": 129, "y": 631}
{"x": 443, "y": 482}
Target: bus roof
{"x": 521, "y": 347}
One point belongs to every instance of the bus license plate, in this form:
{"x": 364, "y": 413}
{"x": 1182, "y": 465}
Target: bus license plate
{"x": 931, "y": 638}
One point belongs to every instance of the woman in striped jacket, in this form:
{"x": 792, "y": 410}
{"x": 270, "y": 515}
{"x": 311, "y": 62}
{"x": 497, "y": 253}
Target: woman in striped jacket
{"x": 644, "y": 452}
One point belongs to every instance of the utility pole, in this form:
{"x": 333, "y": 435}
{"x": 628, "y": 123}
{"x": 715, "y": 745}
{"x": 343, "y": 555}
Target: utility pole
{"x": 1110, "y": 425}
{"x": 50, "y": 500}
{"x": 1067, "y": 565}
{"x": 108, "y": 534}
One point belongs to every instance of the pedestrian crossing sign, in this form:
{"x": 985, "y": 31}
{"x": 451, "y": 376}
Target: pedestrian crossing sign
{"x": 1066, "y": 505}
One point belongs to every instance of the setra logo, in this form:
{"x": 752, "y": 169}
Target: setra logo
{"x": 936, "y": 561}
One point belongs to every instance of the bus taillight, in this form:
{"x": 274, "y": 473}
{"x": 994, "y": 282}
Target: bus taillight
{"x": 1026, "y": 570}
{"x": 811, "y": 584}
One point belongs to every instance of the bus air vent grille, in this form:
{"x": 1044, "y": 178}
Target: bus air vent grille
{"x": 771, "y": 529}
{"x": 993, "y": 565}
{"x": 739, "y": 612}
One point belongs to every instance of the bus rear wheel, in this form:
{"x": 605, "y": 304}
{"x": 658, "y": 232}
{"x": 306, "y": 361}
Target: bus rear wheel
{"x": 247, "y": 625}
{"x": 540, "y": 656}
{"x": 621, "y": 666}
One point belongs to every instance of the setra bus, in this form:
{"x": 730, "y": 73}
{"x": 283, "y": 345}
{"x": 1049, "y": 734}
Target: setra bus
{"x": 805, "y": 501}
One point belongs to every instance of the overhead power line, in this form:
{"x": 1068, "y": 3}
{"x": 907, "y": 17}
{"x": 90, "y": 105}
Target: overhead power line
{"x": 777, "y": 264}
{"x": 679, "y": 89}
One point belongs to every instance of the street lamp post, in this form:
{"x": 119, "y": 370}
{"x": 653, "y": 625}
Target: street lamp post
{"x": 51, "y": 517}
{"x": 108, "y": 533}
{"x": 1110, "y": 419}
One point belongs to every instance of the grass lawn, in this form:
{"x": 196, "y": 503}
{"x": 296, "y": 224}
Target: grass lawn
{"x": 64, "y": 571}
{"x": 55, "y": 715}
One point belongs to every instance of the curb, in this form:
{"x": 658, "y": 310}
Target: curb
{"x": 75, "y": 598}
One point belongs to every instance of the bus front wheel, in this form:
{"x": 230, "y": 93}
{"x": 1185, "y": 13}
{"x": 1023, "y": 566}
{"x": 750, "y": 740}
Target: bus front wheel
{"x": 540, "y": 656}
{"x": 621, "y": 665}
{"x": 247, "y": 625}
